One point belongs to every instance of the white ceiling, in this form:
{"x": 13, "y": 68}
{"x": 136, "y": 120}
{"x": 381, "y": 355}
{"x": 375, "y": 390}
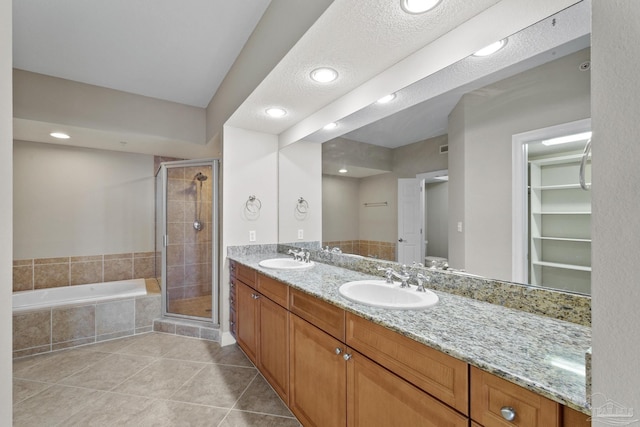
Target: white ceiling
{"x": 168, "y": 49}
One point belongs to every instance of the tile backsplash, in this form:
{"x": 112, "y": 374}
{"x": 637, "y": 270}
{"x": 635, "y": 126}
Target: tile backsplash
{"x": 41, "y": 273}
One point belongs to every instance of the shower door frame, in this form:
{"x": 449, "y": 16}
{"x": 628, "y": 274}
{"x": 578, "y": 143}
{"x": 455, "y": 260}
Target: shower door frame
{"x": 215, "y": 277}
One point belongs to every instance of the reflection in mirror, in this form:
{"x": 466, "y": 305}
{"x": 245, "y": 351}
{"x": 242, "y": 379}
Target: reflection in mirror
{"x": 462, "y": 120}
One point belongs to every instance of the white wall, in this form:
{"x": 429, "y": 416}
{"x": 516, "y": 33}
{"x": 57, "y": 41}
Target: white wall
{"x": 303, "y": 161}
{"x": 71, "y": 201}
{"x": 6, "y": 212}
{"x": 249, "y": 168}
{"x": 554, "y": 93}
{"x": 615, "y": 226}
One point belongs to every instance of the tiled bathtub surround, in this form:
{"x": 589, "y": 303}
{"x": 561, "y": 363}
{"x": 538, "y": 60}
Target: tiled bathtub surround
{"x": 55, "y": 328}
{"x": 40, "y": 273}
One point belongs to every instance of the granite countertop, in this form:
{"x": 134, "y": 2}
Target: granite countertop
{"x": 542, "y": 354}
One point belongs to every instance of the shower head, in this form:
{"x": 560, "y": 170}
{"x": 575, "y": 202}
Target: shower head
{"x": 200, "y": 177}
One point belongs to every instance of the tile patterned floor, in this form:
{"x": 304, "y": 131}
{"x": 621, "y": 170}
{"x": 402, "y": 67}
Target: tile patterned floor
{"x": 145, "y": 380}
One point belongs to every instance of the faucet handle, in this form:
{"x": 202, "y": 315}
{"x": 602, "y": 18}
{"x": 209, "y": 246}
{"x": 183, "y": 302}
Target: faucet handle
{"x": 421, "y": 278}
{"x": 388, "y": 273}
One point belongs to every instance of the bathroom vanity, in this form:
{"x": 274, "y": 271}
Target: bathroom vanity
{"x": 462, "y": 362}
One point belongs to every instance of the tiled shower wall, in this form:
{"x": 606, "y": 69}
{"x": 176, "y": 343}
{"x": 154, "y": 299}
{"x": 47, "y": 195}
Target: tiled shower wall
{"x": 188, "y": 250}
{"x": 40, "y": 273}
{"x": 368, "y": 248}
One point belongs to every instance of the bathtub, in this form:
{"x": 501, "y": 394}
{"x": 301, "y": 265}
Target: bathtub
{"x": 79, "y": 294}
{"x": 53, "y": 319}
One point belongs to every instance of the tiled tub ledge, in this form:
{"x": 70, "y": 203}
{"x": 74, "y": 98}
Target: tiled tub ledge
{"x": 55, "y": 328}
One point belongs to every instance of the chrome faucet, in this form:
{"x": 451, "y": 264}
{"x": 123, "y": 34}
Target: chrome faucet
{"x": 302, "y": 255}
{"x": 421, "y": 278}
{"x": 390, "y": 273}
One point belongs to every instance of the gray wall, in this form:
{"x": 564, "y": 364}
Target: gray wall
{"x": 615, "y": 225}
{"x": 437, "y": 219}
{"x": 340, "y": 198}
{"x": 6, "y": 210}
{"x": 554, "y": 93}
{"x": 72, "y": 201}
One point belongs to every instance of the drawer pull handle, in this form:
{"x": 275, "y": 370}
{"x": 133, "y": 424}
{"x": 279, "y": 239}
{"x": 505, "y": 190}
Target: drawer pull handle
{"x": 346, "y": 356}
{"x": 338, "y": 350}
{"x": 508, "y": 413}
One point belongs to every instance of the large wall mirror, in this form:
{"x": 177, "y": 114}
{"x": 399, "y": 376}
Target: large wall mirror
{"x": 453, "y": 134}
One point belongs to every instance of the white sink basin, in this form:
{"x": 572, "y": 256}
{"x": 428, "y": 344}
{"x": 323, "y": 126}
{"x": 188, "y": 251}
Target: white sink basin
{"x": 378, "y": 293}
{"x": 285, "y": 264}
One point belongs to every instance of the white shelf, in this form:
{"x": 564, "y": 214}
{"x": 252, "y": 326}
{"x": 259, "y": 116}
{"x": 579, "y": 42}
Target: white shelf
{"x": 562, "y": 239}
{"x": 573, "y": 158}
{"x": 564, "y": 266}
{"x": 561, "y": 213}
{"x": 559, "y": 187}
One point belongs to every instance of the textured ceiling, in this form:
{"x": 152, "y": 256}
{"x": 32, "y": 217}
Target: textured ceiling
{"x": 421, "y": 110}
{"x": 359, "y": 39}
{"x": 167, "y": 49}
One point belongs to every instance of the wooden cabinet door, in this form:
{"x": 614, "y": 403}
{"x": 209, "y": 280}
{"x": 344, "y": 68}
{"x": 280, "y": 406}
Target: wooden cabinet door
{"x": 317, "y": 392}
{"x": 490, "y": 395}
{"x": 247, "y": 320}
{"x": 377, "y": 397}
{"x": 273, "y": 354}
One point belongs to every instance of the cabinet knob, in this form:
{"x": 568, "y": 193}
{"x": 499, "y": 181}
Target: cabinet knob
{"x": 508, "y": 413}
{"x": 255, "y": 296}
{"x": 338, "y": 350}
{"x": 346, "y": 356}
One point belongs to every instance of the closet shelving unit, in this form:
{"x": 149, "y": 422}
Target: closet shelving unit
{"x": 560, "y": 224}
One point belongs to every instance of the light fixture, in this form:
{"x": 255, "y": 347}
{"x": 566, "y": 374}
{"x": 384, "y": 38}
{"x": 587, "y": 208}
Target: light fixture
{"x": 568, "y": 138}
{"x": 330, "y": 126}
{"x": 276, "y": 112}
{"x": 418, "y": 6}
{"x": 324, "y": 75}
{"x": 385, "y": 99}
{"x": 343, "y": 170}
{"x": 492, "y": 48}
{"x": 59, "y": 135}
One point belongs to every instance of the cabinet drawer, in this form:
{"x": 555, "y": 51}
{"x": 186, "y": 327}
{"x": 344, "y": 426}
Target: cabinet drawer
{"x": 440, "y": 375}
{"x": 573, "y": 418}
{"x": 246, "y": 274}
{"x": 323, "y": 315}
{"x": 276, "y": 291}
{"x": 491, "y": 394}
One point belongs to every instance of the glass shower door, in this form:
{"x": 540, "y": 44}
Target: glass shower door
{"x": 187, "y": 232}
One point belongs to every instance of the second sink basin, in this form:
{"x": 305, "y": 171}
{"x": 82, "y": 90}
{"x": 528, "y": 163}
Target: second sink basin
{"x": 285, "y": 264}
{"x": 378, "y": 293}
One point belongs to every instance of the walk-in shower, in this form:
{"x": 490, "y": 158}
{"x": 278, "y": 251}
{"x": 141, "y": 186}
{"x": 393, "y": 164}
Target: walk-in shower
{"x": 187, "y": 238}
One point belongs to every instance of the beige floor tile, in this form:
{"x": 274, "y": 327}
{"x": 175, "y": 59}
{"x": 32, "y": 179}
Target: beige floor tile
{"x": 160, "y": 379}
{"x": 154, "y": 344}
{"x": 111, "y": 409}
{"x": 216, "y": 385}
{"x": 23, "y": 389}
{"x": 115, "y": 345}
{"x": 208, "y": 352}
{"x": 108, "y": 372}
{"x": 250, "y": 419}
{"x": 163, "y": 413}
{"x": 260, "y": 397}
{"x": 53, "y": 367}
{"x": 52, "y": 406}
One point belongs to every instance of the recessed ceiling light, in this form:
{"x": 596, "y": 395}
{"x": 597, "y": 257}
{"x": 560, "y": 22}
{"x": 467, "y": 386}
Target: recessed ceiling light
{"x": 324, "y": 75}
{"x": 59, "y": 135}
{"x": 330, "y": 126}
{"x": 566, "y": 139}
{"x": 276, "y": 112}
{"x": 343, "y": 170}
{"x": 386, "y": 99}
{"x": 418, "y": 6}
{"x": 492, "y": 48}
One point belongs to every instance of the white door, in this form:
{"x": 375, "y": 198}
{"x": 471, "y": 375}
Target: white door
{"x": 410, "y": 220}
